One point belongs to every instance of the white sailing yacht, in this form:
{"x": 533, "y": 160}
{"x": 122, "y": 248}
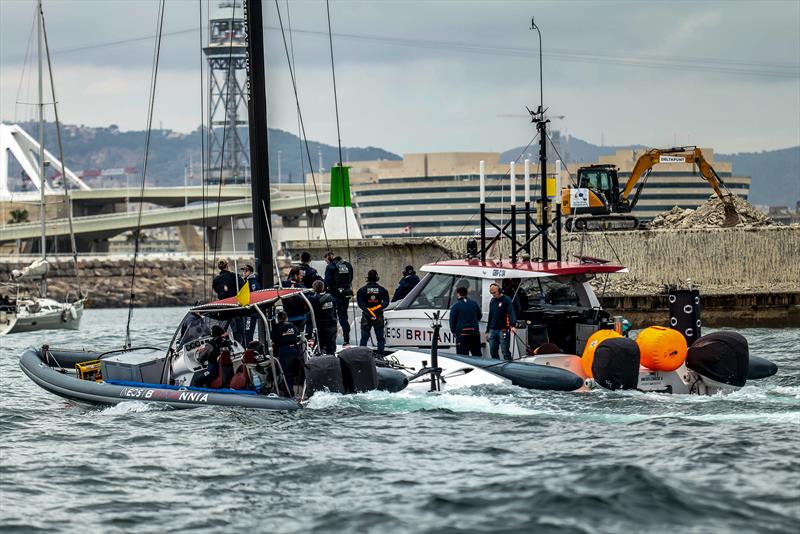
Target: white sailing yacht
{"x": 20, "y": 312}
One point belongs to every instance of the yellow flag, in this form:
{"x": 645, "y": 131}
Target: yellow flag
{"x": 243, "y": 296}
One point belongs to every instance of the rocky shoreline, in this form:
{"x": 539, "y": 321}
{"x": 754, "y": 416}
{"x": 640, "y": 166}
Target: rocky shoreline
{"x": 738, "y": 262}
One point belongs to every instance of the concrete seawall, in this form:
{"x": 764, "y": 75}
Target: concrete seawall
{"x": 747, "y": 274}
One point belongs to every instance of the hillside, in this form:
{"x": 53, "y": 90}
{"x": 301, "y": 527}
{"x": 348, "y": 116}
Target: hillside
{"x": 108, "y": 147}
{"x": 775, "y": 174}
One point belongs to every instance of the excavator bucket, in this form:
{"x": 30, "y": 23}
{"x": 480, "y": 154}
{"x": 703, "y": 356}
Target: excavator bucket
{"x": 731, "y": 215}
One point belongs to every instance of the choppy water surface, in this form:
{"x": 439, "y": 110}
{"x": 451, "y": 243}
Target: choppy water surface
{"x": 492, "y": 460}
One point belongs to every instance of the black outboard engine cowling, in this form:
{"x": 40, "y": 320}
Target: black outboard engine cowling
{"x": 721, "y": 356}
{"x": 324, "y": 373}
{"x": 359, "y": 370}
{"x": 616, "y": 364}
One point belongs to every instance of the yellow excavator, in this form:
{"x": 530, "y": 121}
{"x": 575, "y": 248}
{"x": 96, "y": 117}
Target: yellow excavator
{"x": 598, "y": 203}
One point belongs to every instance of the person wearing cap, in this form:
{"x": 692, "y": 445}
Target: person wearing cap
{"x": 372, "y": 299}
{"x": 226, "y": 284}
{"x": 339, "y": 283}
{"x": 406, "y": 284}
{"x": 308, "y": 274}
{"x": 250, "y": 278}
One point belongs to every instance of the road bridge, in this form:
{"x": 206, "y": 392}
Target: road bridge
{"x": 97, "y": 227}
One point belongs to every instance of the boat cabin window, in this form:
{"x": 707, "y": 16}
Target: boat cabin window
{"x": 440, "y": 291}
{"x": 552, "y": 291}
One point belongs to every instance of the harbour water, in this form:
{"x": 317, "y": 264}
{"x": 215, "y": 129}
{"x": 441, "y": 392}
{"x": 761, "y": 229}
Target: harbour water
{"x": 497, "y": 460}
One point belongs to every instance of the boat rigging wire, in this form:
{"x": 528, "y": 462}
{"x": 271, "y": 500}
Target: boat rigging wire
{"x": 204, "y": 270}
{"x": 64, "y": 179}
{"x": 28, "y": 49}
{"x": 150, "y": 107}
{"x": 339, "y": 144}
{"x": 224, "y": 136}
{"x": 302, "y": 122}
{"x": 293, "y": 67}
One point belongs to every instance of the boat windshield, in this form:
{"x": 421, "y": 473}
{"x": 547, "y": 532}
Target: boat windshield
{"x": 558, "y": 291}
{"x": 439, "y": 291}
{"x": 196, "y": 326}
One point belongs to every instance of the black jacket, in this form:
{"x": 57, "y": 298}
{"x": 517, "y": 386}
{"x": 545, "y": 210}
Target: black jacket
{"x": 324, "y": 310}
{"x": 294, "y": 306}
{"x": 308, "y": 274}
{"x": 372, "y": 299}
{"x": 501, "y": 314}
{"x": 225, "y": 284}
{"x": 465, "y": 315}
{"x": 404, "y": 287}
{"x": 285, "y": 335}
{"x": 339, "y": 278}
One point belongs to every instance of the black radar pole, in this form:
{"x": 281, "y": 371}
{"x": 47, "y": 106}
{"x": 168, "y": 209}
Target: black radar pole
{"x": 541, "y": 125}
{"x": 257, "y": 128}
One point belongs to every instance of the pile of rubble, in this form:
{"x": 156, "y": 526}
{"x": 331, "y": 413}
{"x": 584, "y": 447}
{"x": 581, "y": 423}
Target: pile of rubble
{"x": 710, "y": 215}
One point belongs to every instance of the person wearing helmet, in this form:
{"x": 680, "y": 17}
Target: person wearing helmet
{"x": 406, "y": 284}
{"x": 372, "y": 299}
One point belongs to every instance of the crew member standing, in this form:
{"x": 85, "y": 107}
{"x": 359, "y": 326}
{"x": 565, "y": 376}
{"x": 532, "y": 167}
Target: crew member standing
{"x": 325, "y": 317}
{"x": 308, "y": 274}
{"x": 500, "y": 325}
{"x": 226, "y": 284}
{"x": 295, "y": 305}
{"x": 372, "y": 299}
{"x": 286, "y": 344}
{"x": 339, "y": 282}
{"x": 406, "y": 284}
{"x": 465, "y": 318}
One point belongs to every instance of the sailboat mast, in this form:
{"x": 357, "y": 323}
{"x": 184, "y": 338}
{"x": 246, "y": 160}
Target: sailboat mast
{"x": 257, "y": 129}
{"x": 41, "y": 128}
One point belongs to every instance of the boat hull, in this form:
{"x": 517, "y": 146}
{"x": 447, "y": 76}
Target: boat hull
{"x": 526, "y": 375}
{"x": 67, "y": 318}
{"x": 107, "y": 393}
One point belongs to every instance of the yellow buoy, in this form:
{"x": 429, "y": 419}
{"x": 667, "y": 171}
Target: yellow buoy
{"x": 662, "y": 349}
{"x": 591, "y": 345}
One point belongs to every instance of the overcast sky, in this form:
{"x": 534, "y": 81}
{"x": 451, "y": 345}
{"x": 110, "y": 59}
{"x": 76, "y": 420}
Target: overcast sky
{"x": 434, "y": 76}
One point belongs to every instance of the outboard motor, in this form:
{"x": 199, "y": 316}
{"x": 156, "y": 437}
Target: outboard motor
{"x": 721, "y": 357}
{"x": 616, "y": 364}
{"x": 324, "y": 373}
{"x": 359, "y": 370}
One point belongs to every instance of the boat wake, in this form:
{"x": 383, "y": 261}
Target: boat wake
{"x": 408, "y": 401}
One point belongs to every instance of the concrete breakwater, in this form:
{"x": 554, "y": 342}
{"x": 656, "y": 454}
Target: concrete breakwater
{"x": 752, "y": 266}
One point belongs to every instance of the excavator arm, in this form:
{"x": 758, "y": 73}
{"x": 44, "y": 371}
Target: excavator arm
{"x": 689, "y": 155}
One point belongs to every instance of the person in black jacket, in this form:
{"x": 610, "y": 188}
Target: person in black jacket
{"x": 286, "y": 344}
{"x": 308, "y": 274}
{"x": 406, "y": 284}
{"x": 325, "y": 316}
{"x": 226, "y": 284}
{"x": 465, "y": 318}
{"x": 372, "y": 299}
{"x": 339, "y": 283}
{"x": 295, "y": 306}
{"x": 501, "y": 323}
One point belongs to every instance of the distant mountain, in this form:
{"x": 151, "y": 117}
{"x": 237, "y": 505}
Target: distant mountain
{"x": 775, "y": 174}
{"x": 107, "y": 147}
